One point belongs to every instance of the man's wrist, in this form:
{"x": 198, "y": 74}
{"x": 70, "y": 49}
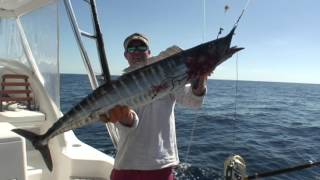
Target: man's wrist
{"x": 199, "y": 91}
{"x": 199, "y": 86}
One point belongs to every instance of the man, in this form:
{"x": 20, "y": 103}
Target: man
{"x": 147, "y": 149}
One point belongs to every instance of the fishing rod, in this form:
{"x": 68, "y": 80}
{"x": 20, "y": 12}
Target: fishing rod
{"x": 235, "y": 169}
{"x": 283, "y": 170}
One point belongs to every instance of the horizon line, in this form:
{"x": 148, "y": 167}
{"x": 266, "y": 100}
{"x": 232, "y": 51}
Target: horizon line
{"x": 248, "y": 80}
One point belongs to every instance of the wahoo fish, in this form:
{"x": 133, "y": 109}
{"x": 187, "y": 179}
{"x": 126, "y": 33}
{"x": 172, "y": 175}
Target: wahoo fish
{"x": 168, "y": 72}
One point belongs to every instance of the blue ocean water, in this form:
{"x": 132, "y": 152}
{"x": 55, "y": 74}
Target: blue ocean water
{"x": 271, "y": 125}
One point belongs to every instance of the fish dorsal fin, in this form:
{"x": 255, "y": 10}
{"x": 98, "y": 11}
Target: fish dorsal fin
{"x": 162, "y": 55}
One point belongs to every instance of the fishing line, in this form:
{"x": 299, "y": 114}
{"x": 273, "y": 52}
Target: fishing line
{"x": 243, "y": 10}
{"x": 237, "y": 74}
{"x": 204, "y": 21}
{"x": 204, "y": 26}
{"x": 275, "y": 172}
{"x": 191, "y": 138}
{"x": 235, "y": 100}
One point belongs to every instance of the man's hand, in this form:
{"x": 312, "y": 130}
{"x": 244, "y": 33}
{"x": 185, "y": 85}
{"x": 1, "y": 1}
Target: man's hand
{"x": 123, "y": 114}
{"x": 199, "y": 85}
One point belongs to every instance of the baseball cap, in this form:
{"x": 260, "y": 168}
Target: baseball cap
{"x": 135, "y": 36}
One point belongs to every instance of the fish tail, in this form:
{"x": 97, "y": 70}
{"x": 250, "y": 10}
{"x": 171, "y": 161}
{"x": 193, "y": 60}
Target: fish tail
{"x": 35, "y": 139}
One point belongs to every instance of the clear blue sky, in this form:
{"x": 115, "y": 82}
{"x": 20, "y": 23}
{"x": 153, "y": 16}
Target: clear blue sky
{"x": 281, "y": 37}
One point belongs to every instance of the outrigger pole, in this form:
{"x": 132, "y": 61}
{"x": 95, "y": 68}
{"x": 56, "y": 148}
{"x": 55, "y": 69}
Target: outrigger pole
{"x": 100, "y": 43}
{"x": 101, "y": 52}
{"x": 96, "y": 36}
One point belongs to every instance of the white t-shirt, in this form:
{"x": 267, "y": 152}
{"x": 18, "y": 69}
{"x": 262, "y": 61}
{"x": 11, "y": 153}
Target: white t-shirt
{"x": 151, "y": 142}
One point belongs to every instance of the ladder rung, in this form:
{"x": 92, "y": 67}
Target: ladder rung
{"x": 88, "y": 35}
{"x": 15, "y": 91}
{"x": 87, "y": 1}
{"x": 14, "y": 76}
{"x": 15, "y": 98}
{"x": 15, "y": 84}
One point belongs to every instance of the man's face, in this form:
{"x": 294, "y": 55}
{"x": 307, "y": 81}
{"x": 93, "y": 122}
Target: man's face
{"x": 136, "y": 52}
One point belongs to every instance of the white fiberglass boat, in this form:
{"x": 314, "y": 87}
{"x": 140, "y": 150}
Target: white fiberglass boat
{"x": 29, "y": 98}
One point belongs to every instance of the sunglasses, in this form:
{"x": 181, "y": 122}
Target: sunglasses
{"x": 137, "y": 49}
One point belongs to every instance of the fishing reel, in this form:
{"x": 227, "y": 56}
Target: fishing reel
{"x": 234, "y": 168}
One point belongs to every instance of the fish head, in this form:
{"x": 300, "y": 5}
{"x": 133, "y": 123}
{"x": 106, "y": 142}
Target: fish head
{"x": 220, "y": 50}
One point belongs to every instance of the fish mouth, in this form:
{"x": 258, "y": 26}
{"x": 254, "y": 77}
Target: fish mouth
{"x": 234, "y": 49}
{"x": 228, "y": 37}
{"x": 231, "y": 51}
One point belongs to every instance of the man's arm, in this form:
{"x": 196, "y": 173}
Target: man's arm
{"x": 192, "y": 95}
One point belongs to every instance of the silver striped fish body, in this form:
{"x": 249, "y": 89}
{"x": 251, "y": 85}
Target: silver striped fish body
{"x": 133, "y": 89}
{"x": 146, "y": 84}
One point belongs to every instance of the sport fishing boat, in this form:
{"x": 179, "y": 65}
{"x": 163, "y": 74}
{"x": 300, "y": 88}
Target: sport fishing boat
{"x": 30, "y": 94}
